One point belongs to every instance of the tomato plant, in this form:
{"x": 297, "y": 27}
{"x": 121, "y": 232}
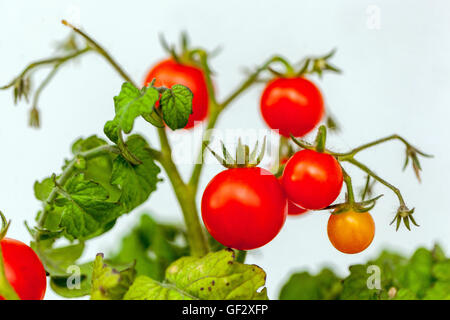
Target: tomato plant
{"x": 243, "y": 207}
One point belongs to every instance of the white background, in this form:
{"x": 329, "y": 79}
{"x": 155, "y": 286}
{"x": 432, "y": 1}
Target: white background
{"x": 395, "y": 80}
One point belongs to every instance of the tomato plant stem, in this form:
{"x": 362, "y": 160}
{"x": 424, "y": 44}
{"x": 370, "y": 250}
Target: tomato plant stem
{"x": 354, "y": 151}
{"x": 58, "y": 60}
{"x": 198, "y": 166}
{"x": 98, "y": 48}
{"x": 364, "y": 168}
{"x": 349, "y": 185}
{"x": 185, "y": 197}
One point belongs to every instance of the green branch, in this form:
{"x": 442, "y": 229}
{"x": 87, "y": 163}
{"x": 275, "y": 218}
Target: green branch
{"x": 55, "y": 60}
{"x": 99, "y": 49}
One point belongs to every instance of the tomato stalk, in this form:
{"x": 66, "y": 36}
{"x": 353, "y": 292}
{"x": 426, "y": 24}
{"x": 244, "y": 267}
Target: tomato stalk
{"x": 348, "y": 184}
{"x": 403, "y": 213}
{"x": 6, "y": 290}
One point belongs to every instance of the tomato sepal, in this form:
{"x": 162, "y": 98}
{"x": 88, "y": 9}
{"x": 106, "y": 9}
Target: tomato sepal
{"x": 5, "y": 225}
{"x": 243, "y": 158}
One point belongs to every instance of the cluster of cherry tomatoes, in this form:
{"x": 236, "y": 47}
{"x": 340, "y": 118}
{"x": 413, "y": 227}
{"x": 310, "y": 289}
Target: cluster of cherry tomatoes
{"x": 246, "y": 207}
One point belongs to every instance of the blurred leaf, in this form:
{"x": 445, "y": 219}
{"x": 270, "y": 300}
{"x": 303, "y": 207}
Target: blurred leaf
{"x": 304, "y": 286}
{"x": 153, "y": 246}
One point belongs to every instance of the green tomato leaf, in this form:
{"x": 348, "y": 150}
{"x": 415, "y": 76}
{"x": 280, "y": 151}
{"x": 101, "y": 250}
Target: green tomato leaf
{"x": 42, "y": 189}
{"x": 136, "y": 182}
{"x": 86, "y": 208}
{"x": 176, "y": 105}
{"x": 57, "y": 260}
{"x": 214, "y": 276}
{"x": 108, "y": 283}
{"x": 439, "y": 291}
{"x": 355, "y": 285}
{"x": 405, "y": 294}
{"x": 304, "y": 286}
{"x": 152, "y": 246}
{"x": 441, "y": 270}
{"x": 75, "y": 284}
{"x": 130, "y": 104}
{"x": 417, "y": 276}
{"x": 111, "y": 129}
{"x": 98, "y": 169}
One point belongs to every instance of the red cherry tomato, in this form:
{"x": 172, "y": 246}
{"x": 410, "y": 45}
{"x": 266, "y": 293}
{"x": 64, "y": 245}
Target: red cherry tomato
{"x": 351, "y": 232}
{"x": 168, "y": 73}
{"x": 244, "y": 208}
{"x": 312, "y": 180}
{"x": 23, "y": 270}
{"x": 292, "y": 105}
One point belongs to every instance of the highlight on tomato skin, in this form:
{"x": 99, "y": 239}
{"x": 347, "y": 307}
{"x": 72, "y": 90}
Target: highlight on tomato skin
{"x": 295, "y": 210}
{"x": 351, "y": 232}
{"x": 244, "y": 208}
{"x": 168, "y": 73}
{"x": 292, "y": 106}
{"x": 292, "y": 209}
{"x": 312, "y": 180}
{"x": 24, "y": 270}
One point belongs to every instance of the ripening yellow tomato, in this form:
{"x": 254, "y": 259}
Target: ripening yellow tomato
{"x": 350, "y": 231}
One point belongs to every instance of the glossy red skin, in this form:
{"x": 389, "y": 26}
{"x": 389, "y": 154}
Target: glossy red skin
{"x": 312, "y": 180}
{"x": 24, "y": 270}
{"x": 244, "y": 208}
{"x": 168, "y": 73}
{"x": 292, "y": 105}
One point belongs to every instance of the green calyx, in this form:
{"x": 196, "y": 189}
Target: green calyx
{"x": 243, "y": 158}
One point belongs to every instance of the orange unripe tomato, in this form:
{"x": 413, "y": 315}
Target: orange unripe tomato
{"x": 351, "y": 232}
